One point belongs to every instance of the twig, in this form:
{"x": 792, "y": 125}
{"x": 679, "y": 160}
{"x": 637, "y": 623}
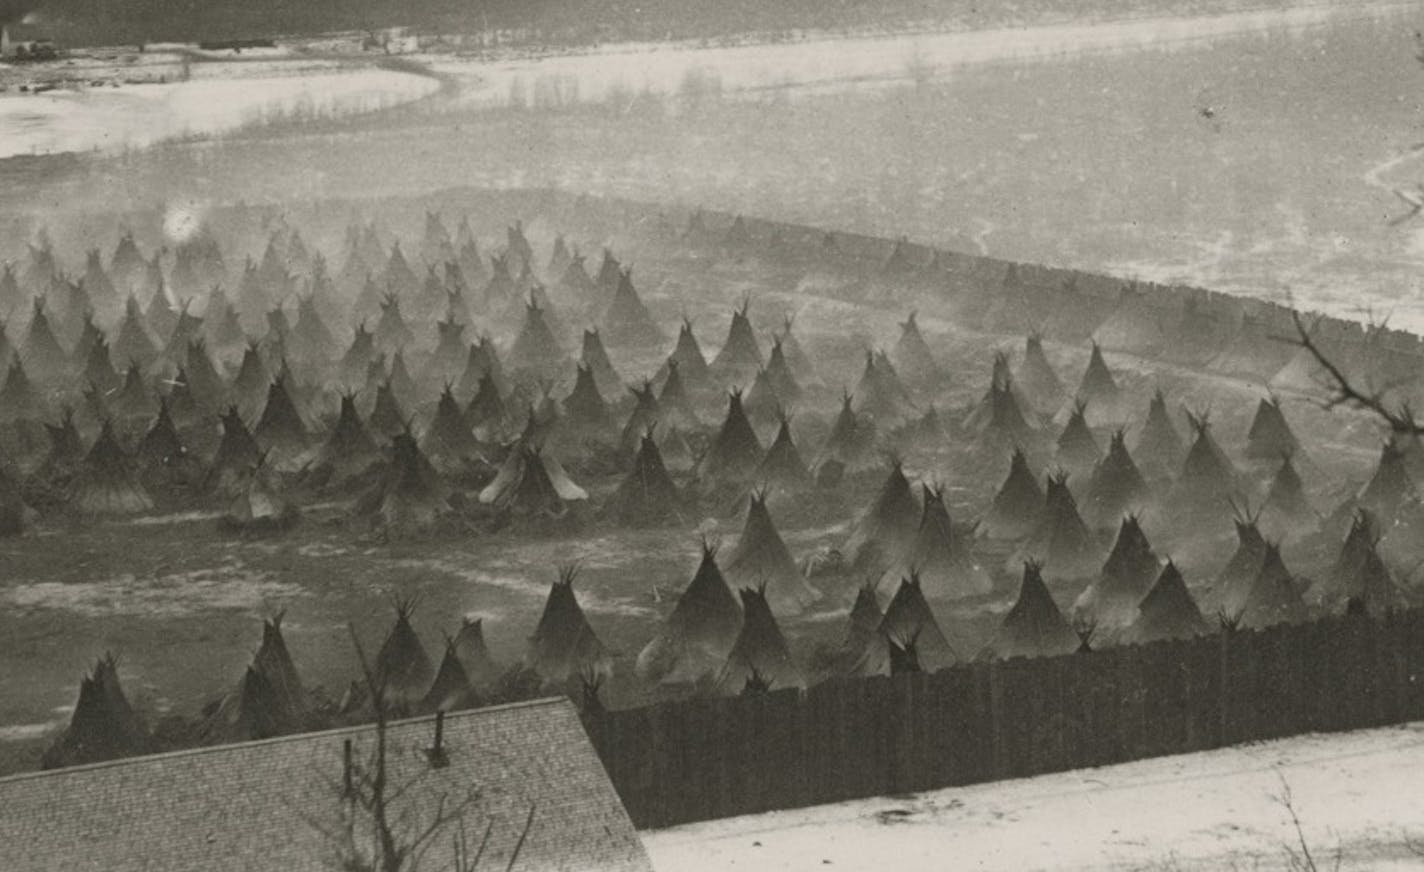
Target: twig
{"x": 519, "y": 845}
{"x": 1345, "y": 393}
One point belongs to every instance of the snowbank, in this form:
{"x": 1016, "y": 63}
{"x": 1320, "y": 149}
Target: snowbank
{"x": 1355, "y": 792}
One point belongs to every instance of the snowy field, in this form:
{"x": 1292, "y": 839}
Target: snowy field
{"x": 1356, "y": 796}
{"x": 1254, "y": 153}
{"x": 135, "y": 116}
{"x": 824, "y": 65}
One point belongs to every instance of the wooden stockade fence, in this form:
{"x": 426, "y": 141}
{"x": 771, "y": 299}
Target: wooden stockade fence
{"x": 700, "y": 759}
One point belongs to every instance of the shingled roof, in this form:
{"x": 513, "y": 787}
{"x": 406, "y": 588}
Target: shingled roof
{"x": 257, "y": 806}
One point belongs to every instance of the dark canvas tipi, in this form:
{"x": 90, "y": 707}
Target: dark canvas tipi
{"x": 1034, "y": 626}
{"x": 761, "y": 559}
{"x": 106, "y": 483}
{"x": 1274, "y": 597}
{"x": 739, "y": 359}
{"x": 627, "y": 323}
{"x": 103, "y": 726}
{"x": 564, "y": 645}
{"x": 1061, "y": 543}
{"x": 402, "y": 668}
{"x": 908, "y": 624}
{"x": 647, "y": 496}
{"x": 697, "y": 636}
{"x": 760, "y": 657}
{"x": 1117, "y": 487}
{"x": 1166, "y": 612}
{"x": 884, "y": 533}
{"x": 1111, "y": 601}
{"x": 939, "y": 558}
{"x": 735, "y": 453}
{"x": 1270, "y": 435}
{"x": 1233, "y": 584}
{"x": 1017, "y": 504}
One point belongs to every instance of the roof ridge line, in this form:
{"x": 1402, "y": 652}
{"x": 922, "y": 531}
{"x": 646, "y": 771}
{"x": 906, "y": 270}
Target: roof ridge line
{"x": 334, "y": 731}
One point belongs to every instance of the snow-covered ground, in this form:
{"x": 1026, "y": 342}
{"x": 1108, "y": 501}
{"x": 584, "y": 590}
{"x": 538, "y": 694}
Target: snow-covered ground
{"x": 830, "y": 63}
{"x": 1356, "y": 795}
{"x": 134, "y": 116}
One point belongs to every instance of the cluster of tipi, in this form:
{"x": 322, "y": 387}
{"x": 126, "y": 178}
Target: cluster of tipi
{"x": 435, "y": 428}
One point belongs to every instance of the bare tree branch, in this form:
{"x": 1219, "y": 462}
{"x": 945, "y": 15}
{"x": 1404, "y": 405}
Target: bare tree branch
{"x": 1344, "y": 392}
{"x": 519, "y": 845}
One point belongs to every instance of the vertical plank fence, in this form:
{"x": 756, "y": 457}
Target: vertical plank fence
{"x": 701, "y": 759}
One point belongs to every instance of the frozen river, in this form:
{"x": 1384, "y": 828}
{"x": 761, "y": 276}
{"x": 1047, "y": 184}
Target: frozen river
{"x": 135, "y": 116}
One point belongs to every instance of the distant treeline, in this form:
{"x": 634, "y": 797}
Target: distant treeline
{"x": 113, "y": 22}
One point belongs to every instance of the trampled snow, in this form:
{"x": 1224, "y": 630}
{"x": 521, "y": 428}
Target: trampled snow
{"x": 1355, "y": 794}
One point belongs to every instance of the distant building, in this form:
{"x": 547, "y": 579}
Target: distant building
{"x": 517, "y": 769}
{"x": 20, "y": 42}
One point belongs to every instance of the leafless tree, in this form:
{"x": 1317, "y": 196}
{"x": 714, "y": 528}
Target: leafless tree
{"x": 1344, "y": 392}
{"x": 378, "y": 828}
{"x": 1299, "y": 856}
